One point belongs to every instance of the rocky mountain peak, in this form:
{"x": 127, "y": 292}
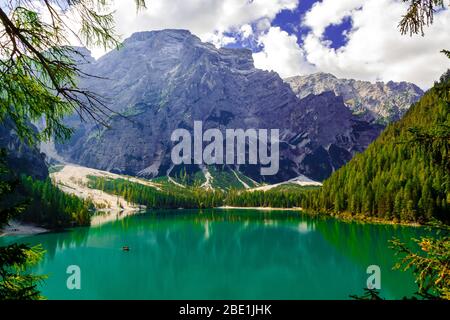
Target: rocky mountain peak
{"x": 379, "y": 101}
{"x": 165, "y": 80}
{"x": 176, "y": 34}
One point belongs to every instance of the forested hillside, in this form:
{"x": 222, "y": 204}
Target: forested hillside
{"x": 40, "y": 201}
{"x": 176, "y": 197}
{"x": 404, "y": 174}
{"x": 47, "y": 205}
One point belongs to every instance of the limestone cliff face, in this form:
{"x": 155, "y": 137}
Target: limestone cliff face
{"x": 380, "y": 101}
{"x": 163, "y": 80}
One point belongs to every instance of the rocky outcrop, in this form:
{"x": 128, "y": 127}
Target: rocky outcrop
{"x": 382, "y": 102}
{"x": 164, "y": 80}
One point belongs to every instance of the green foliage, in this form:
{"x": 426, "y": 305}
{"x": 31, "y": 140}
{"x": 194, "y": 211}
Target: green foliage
{"x": 446, "y": 52}
{"x": 151, "y": 197}
{"x": 38, "y": 73}
{"x": 403, "y": 175}
{"x": 225, "y": 178}
{"x": 429, "y": 261}
{"x": 294, "y": 187}
{"x": 51, "y": 207}
{"x": 430, "y": 264}
{"x": 270, "y": 198}
{"x": 248, "y": 181}
{"x": 15, "y": 283}
{"x": 10, "y": 206}
{"x": 221, "y": 177}
{"x": 38, "y": 65}
{"x": 172, "y": 196}
{"x": 194, "y": 179}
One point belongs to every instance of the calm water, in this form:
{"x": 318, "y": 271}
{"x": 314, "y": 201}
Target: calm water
{"x": 222, "y": 254}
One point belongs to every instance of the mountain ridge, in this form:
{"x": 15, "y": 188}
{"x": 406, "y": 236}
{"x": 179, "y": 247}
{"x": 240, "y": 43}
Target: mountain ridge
{"x": 164, "y": 80}
{"x": 403, "y": 174}
{"x": 377, "y": 101}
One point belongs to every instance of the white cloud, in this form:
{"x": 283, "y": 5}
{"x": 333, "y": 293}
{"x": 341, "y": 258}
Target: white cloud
{"x": 281, "y": 53}
{"x": 208, "y": 19}
{"x": 220, "y": 40}
{"x": 246, "y": 31}
{"x": 375, "y": 49}
{"x": 263, "y": 25}
{"x": 329, "y": 12}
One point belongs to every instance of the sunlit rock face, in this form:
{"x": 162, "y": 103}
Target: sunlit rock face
{"x": 164, "y": 80}
{"x": 382, "y": 102}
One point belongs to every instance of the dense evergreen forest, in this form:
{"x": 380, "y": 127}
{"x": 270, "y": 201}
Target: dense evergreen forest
{"x": 399, "y": 177}
{"x": 270, "y": 198}
{"x": 404, "y": 174}
{"x": 153, "y": 198}
{"x": 48, "y": 206}
{"x": 40, "y": 201}
{"x": 197, "y": 197}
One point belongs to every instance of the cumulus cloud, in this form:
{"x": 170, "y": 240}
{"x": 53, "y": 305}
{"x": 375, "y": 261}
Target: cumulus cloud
{"x": 208, "y": 19}
{"x": 246, "y": 31}
{"x": 281, "y": 53}
{"x": 329, "y": 12}
{"x": 375, "y": 49}
{"x": 214, "y": 20}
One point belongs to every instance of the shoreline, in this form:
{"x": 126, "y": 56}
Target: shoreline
{"x": 360, "y": 218}
{"x": 259, "y": 208}
{"x": 73, "y": 179}
{"x": 16, "y": 228}
{"x": 102, "y": 217}
{"x": 345, "y": 217}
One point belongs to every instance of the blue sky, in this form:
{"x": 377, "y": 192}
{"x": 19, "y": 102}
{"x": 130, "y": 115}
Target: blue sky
{"x": 356, "y": 39}
{"x": 289, "y": 20}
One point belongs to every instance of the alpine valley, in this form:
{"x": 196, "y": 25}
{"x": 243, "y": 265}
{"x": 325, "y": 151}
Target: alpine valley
{"x": 200, "y": 153}
{"x": 163, "y": 80}
{"x": 349, "y": 150}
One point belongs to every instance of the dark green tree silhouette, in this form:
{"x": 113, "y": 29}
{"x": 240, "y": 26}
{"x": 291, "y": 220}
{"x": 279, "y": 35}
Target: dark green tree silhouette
{"x": 38, "y": 69}
{"x": 15, "y": 282}
{"x": 38, "y": 77}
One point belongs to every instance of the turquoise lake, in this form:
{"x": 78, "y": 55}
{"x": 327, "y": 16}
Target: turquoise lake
{"x": 222, "y": 254}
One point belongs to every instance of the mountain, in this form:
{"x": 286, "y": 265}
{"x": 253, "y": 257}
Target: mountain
{"x": 404, "y": 174}
{"x": 214, "y": 177}
{"x": 383, "y": 102}
{"x": 164, "y": 80}
{"x": 300, "y": 181}
{"x": 21, "y": 156}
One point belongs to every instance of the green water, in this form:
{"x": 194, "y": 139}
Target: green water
{"x": 222, "y": 254}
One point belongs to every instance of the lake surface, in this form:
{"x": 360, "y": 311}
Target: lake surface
{"x": 222, "y": 254}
